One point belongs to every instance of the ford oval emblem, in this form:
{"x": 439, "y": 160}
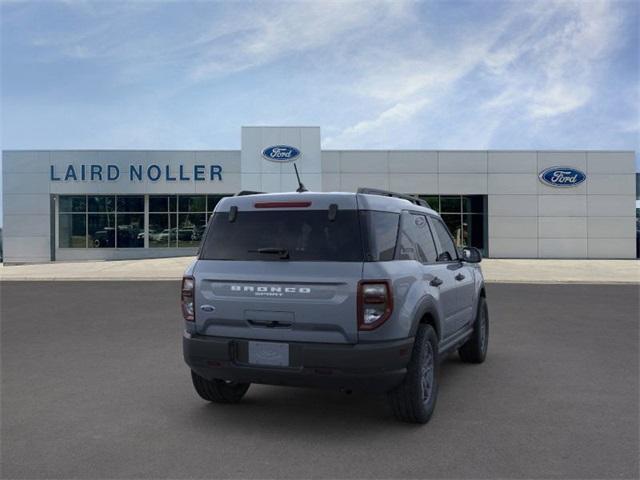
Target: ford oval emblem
{"x": 281, "y": 153}
{"x": 562, "y": 177}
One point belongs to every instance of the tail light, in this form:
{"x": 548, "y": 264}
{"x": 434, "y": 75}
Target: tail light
{"x": 375, "y": 303}
{"x": 186, "y": 299}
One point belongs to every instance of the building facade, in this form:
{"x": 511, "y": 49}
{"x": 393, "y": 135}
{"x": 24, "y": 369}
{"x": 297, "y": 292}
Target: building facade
{"x": 119, "y": 204}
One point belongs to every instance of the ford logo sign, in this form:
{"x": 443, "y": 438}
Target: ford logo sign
{"x": 562, "y": 177}
{"x": 281, "y": 153}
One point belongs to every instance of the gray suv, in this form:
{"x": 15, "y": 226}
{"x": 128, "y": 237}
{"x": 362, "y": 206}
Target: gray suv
{"x": 352, "y": 291}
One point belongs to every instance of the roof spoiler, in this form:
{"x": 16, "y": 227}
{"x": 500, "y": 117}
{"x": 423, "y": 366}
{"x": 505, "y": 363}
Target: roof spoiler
{"x": 242, "y": 193}
{"x": 386, "y": 193}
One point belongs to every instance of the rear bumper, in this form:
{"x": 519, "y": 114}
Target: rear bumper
{"x": 367, "y": 367}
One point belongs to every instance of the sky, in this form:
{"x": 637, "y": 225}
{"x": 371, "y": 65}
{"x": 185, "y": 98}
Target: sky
{"x": 372, "y": 74}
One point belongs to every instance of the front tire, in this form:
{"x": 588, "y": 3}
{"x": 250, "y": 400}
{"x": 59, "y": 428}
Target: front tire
{"x": 219, "y": 391}
{"x": 475, "y": 349}
{"x": 414, "y": 400}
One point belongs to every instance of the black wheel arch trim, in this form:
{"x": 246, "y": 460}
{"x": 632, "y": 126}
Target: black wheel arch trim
{"x": 427, "y": 309}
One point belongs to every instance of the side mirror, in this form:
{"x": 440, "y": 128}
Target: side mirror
{"x": 471, "y": 255}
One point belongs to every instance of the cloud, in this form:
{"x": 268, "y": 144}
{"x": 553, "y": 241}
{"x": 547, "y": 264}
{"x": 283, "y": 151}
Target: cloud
{"x": 253, "y": 37}
{"x": 394, "y": 74}
{"x": 538, "y": 60}
{"x": 229, "y": 38}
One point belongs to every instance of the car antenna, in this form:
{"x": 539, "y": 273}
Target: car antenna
{"x": 301, "y": 188}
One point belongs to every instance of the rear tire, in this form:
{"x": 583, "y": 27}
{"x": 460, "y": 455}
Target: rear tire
{"x": 219, "y": 391}
{"x": 475, "y": 349}
{"x": 414, "y": 400}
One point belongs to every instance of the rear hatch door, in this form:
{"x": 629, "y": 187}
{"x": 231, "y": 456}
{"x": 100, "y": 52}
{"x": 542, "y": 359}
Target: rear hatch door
{"x": 281, "y": 269}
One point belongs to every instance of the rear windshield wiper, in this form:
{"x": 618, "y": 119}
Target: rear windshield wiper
{"x": 283, "y": 252}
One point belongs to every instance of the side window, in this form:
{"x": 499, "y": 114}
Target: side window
{"x": 415, "y": 241}
{"x": 427, "y": 241}
{"x": 380, "y": 230}
{"x": 448, "y": 250}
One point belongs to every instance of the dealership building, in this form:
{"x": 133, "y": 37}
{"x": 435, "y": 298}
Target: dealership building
{"x": 119, "y": 204}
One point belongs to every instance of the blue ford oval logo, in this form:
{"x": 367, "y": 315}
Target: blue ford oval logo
{"x": 562, "y": 177}
{"x": 281, "y": 153}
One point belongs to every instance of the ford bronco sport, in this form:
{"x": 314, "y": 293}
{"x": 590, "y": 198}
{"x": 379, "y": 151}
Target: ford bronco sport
{"x": 343, "y": 290}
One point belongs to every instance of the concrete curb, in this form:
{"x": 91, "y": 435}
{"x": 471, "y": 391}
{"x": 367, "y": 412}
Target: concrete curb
{"x": 544, "y": 272}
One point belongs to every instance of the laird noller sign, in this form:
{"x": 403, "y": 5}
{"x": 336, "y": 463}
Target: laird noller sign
{"x": 136, "y": 173}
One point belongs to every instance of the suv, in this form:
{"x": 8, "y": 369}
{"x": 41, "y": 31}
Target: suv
{"x": 353, "y": 291}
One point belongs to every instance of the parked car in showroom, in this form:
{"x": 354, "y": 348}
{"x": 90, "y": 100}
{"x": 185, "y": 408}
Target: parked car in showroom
{"x": 349, "y": 291}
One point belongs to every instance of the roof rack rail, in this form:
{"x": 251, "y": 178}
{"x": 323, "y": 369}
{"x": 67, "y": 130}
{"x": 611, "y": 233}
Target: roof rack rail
{"x": 386, "y": 193}
{"x": 242, "y": 193}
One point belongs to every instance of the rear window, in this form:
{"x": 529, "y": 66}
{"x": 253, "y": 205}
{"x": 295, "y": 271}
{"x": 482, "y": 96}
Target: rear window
{"x": 304, "y": 235}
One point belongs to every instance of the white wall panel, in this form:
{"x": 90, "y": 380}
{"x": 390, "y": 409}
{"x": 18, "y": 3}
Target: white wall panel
{"x": 612, "y": 227}
{"x": 26, "y": 226}
{"x": 599, "y": 184}
{"x": 612, "y": 248}
{"x": 25, "y": 204}
{"x": 611, "y": 162}
{"x": 330, "y": 162}
{"x": 462, "y": 162}
{"x": 575, "y": 159}
{"x": 231, "y": 184}
{"x": 458, "y": 183}
{"x": 16, "y": 183}
{"x": 512, "y": 183}
{"x": 331, "y": 182}
{"x": 513, "y": 162}
{"x": 24, "y": 249}
{"x": 356, "y": 161}
{"x": 421, "y": 183}
{"x": 229, "y": 160}
{"x": 413, "y": 162}
{"x": 513, "y": 247}
{"x": 562, "y": 227}
{"x": 350, "y": 182}
{"x": 612, "y": 205}
{"x": 562, "y": 247}
{"x": 514, "y": 227}
{"x": 562, "y": 205}
{"x": 513, "y": 205}
{"x": 31, "y": 161}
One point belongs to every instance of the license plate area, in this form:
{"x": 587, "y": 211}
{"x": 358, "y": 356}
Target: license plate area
{"x": 272, "y": 354}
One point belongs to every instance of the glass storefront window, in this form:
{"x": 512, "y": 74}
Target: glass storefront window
{"x": 101, "y": 230}
{"x": 102, "y": 203}
{"x": 465, "y": 216}
{"x": 118, "y": 221}
{"x": 73, "y": 203}
{"x": 192, "y": 203}
{"x": 131, "y": 203}
{"x": 450, "y": 204}
{"x": 130, "y": 230}
{"x": 474, "y": 230}
{"x": 159, "y": 232}
{"x": 454, "y": 224}
{"x": 191, "y": 228}
{"x": 473, "y": 204}
{"x": 73, "y": 230}
{"x": 433, "y": 201}
{"x": 158, "y": 203}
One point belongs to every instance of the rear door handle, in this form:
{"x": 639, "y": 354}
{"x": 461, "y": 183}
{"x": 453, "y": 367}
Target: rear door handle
{"x": 459, "y": 277}
{"x": 436, "y": 282}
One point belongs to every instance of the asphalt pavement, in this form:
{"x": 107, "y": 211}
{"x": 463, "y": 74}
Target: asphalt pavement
{"x": 94, "y": 386}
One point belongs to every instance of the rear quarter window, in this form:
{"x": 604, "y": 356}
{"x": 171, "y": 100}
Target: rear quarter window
{"x": 380, "y": 232}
